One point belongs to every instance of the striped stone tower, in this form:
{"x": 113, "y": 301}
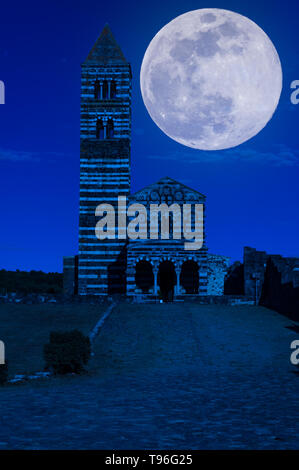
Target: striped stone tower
{"x": 104, "y": 162}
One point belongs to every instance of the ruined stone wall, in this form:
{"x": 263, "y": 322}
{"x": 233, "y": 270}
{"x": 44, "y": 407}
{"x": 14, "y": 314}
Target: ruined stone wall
{"x": 254, "y": 270}
{"x": 217, "y": 270}
{"x": 234, "y": 280}
{"x": 288, "y": 267}
{"x": 255, "y": 263}
{"x": 277, "y": 294}
{"x": 272, "y": 280}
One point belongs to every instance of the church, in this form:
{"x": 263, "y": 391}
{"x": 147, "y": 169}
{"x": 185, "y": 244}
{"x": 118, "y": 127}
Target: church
{"x": 138, "y": 268}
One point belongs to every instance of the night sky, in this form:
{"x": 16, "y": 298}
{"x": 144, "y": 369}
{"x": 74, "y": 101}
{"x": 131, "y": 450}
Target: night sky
{"x": 252, "y": 190}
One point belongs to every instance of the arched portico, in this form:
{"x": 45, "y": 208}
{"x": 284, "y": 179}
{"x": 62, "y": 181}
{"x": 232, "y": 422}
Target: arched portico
{"x": 144, "y": 276}
{"x": 167, "y": 280}
{"x": 189, "y": 277}
{"x": 170, "y": 276}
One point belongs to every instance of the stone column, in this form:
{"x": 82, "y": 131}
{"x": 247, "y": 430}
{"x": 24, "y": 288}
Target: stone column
{"x": 105, "y": 130}
{"x": 101, "y": 90}
{"x": 198, "y": 271}
{"x": 109, "y": 90}
{"x": 155, "y": 271}
{"x": 130, "y": 278}
{"x": 178, "y": 273}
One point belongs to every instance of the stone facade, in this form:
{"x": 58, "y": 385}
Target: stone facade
{"x": 173, "y": 252}
{"x": 217, "y": 269}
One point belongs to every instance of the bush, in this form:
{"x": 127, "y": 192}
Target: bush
{"x": 67, "y": 352}
{"x": 3, "y": 373}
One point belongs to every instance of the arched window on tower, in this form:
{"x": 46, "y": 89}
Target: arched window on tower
{"x": 97, "y": 90}
{"x": 105, "y": 90}
{"x": 113, "y": 89}
{"x": 100, "y": 129}
{"x": 110, "y": 129}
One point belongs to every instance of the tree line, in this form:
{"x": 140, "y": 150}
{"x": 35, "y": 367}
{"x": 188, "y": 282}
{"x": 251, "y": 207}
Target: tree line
{"x": 30, "y": 282}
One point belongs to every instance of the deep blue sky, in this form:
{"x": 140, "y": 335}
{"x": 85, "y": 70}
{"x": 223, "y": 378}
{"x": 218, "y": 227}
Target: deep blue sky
{"x": 252, "y": 191}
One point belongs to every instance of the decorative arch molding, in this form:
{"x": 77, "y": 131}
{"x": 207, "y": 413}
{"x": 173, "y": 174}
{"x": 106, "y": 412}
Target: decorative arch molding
{"x": 143, "y": 258}
{"x": 167, "y": 258}
{"x": 190, "y": 258}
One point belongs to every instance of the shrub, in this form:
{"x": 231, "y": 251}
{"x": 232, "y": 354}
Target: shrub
{"x": 3, "y": 373}
{"x": 67, "y": 351}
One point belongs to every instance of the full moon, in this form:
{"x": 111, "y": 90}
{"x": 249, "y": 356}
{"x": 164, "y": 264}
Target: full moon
{"x": 211, "y": 79}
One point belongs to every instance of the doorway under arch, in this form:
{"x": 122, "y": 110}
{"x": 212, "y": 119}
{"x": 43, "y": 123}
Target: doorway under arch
{"x": 144, "y": 277}
{"x": 166, "y": 280}
{"x": 189, "y": 278}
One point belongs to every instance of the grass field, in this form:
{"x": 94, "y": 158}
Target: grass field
{"x": 24, "y": 329}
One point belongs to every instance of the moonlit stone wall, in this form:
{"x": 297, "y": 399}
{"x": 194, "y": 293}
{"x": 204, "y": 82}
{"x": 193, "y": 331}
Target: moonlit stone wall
{"x": 217, "y": 269}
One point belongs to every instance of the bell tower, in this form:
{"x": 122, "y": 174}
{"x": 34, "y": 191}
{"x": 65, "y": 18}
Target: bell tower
{"x": 105, "y": 148}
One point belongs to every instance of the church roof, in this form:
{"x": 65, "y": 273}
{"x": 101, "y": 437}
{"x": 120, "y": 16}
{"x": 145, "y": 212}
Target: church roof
{"x": 168, "y": 181}
{"x": 106, "y": 50}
